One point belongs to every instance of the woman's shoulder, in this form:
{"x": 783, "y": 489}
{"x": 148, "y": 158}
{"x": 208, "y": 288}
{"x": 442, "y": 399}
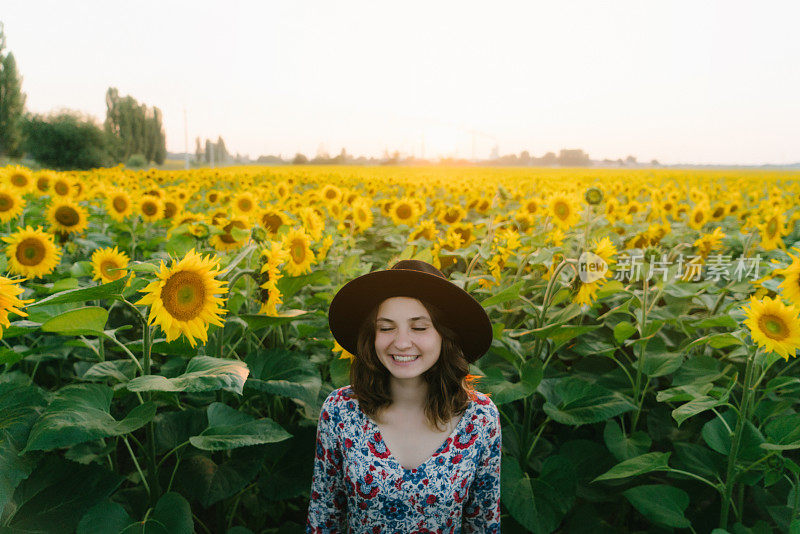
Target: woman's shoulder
{"x": 340, "y": 399}
{"x": 483, "y": 407}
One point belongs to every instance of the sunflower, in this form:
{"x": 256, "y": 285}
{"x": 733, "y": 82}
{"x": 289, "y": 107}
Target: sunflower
{"x": 301, "y": 257}
{"x": 772, "y": 230}
{"x": 606, "y": 251}
{"x": 20, "y": 179}
{"x": 62, "y": 187}
{"x": 404, "y": 211}
{"x": 563, "y": 210}
{"x": 452, "y": 214}
{"x": 272, "y": 220}
{"x": 172, "y": 209}
{"x": 699, "y": 216}
{"x": 11, "y": 204}
{"x": 424, "y": 230}
{"x": 67, "y": 217}
{"x": 186, "y": 297}
{"x": 31, "y": 252}
{"x": 343, "y": 354}
{"x": 331, "y": 194}
{"x": 773, "y": 325}
{"x": 234, "y": 235}
{"x": 245, "y": 204}
{"x": 10, "y": 301}
{"x": 326, "y": 245}
{"x": 312, "y": 222}
{"x": 109, "y": 264}
{"x": 119, "y": 204}
{"x": 708, "y": 243}
{"x": 151, "y": 208}
{"x": 43, "y": 182}
{"x": 791, "y": 279}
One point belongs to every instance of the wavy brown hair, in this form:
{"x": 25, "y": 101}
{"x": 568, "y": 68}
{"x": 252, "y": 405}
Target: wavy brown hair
{"x": 450, "y": 386}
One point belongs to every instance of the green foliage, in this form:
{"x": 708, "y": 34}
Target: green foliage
{"x": 136, "y": 161}
{"x": 66, "y": 140}
{"x": 12, "y": 102}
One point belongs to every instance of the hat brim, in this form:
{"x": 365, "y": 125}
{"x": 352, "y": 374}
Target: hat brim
{"x": 462, "y": 313}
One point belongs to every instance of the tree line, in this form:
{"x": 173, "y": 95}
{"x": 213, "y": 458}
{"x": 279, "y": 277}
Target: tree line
{"x": 132, "y": 133}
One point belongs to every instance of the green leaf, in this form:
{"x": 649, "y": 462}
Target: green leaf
{"x": 506, "y": 295}
{"x": 651, "y": 461}
{"x": 81, "y": 321}
{"x": 560, "y": 334}
{"x": 573, "y": 401}
{"x": 65, "y": 284}
{"x": 57, "y": 495}
{"x": 142, "y": 267}
{"x": 203, "y": 373}
{"x": 661, "y": 504}
{"x": 503, "y": 391}
{"x": 286, "y": 374}
{"x": 538, "y": 504}
{"x": 172, "y": 515}
{"x": 118, "y": 370}
{"x": 656, "y": 364}
{"x": 623, "y": 331}
{"x": 201, "y": 477}
{"x": 240, "y": 431}
{"x": 179, "y": 244}
{"x": 625, "y": 447}
{"x": 106, "y": 517}
{"x": 694, "y": 407}
{"x": 717, "y": 341}
{"x": 80, "y": 413}
{"x": 257, "y": 322}
{"x": 725, "y": 321}
{"x": 716, "y": 436}
{"x": 289, "y": 285}
{"x": 104, "y": 291}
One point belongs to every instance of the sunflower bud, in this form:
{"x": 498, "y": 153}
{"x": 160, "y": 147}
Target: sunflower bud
{"x": 258, "y": 234}
{"x": 593, "y": 196}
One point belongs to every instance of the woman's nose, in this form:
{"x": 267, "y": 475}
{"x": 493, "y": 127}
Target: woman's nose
{"x": 402, "y": 339}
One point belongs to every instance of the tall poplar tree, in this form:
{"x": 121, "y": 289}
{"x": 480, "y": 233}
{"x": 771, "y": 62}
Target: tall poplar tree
{"x": 12, "y": 102}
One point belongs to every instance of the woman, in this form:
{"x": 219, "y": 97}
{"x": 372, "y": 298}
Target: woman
{"x": 408, "y": 446}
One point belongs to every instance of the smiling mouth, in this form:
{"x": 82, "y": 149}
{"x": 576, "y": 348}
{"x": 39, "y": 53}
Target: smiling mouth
{"x": 401, "y": 359}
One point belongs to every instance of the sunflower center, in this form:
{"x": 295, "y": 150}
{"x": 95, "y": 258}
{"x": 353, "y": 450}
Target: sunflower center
{"x": 149, "y": 209}
{"x": 451, "y": 216}
{"x": 403, "y": 211}
{"x": 19, "y": 180}
{"x": 772, "y": 226}
{"x": 698, "y": 217}
{"x": 330, "y": 194}
{"x": 562, "y": 210}
{"x": 42, "y": 184}
{"x": 272, "y": 222}
{"x": 67, "y": 216}
{"x": 184, "y": 295}
{"x": 61, "y": 188}
{"x": 106, "y": 268}
{"x": 245, "y": 204}
{"x": 718, "y": 212}
{"x": 298, "y": 251}
{"x": 6, "y": 203}
{"x": 773, "y": 326}
{"x": 120, "y": 204}
{"x": 30, "y": 252}
{"x": 170, "y": 209}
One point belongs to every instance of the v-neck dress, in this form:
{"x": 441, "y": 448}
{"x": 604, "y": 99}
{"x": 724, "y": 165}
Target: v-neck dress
{"x": 359, "y": 487}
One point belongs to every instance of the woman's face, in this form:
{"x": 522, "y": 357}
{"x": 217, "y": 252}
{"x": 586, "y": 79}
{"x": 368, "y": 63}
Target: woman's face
{"x": 405, "y": 340}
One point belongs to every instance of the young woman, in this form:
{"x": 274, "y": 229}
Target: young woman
{"x": 409, "y": 445}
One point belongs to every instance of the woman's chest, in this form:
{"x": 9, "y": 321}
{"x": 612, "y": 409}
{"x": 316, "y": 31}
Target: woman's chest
{"x": 412, "y": 444}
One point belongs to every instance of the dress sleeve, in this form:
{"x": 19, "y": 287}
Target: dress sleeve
{"x": 327, "y": 508}
{"x": 482, "y": 508}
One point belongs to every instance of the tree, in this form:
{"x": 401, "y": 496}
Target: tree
{"x": 67, "y": 140}
{"x": 134, "y": 128}
{"x": 12, "y": 102}
{"x": 199, "y": 152}
{"x": 220, "y": 152}
{"x": 299, "y": 159}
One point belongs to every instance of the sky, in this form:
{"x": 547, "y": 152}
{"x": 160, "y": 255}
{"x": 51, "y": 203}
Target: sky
{"x": 708, "y": 82}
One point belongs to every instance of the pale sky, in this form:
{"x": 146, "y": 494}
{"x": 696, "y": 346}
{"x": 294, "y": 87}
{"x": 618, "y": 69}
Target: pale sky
{"x": 678, "y": 81}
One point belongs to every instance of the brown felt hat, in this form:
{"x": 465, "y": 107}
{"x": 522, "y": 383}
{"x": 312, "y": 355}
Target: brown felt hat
{"x": 417, "y": 279}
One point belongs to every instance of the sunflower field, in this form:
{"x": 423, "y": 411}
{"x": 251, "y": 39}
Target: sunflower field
{"x": 165, "y": 351}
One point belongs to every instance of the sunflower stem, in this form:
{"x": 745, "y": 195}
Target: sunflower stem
{"x": 730, "y": 477}
{"x": 642, "y": 354}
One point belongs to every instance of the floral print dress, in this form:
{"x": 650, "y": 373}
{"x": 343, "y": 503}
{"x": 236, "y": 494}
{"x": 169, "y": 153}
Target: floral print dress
{"x": 359, "y": 487}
